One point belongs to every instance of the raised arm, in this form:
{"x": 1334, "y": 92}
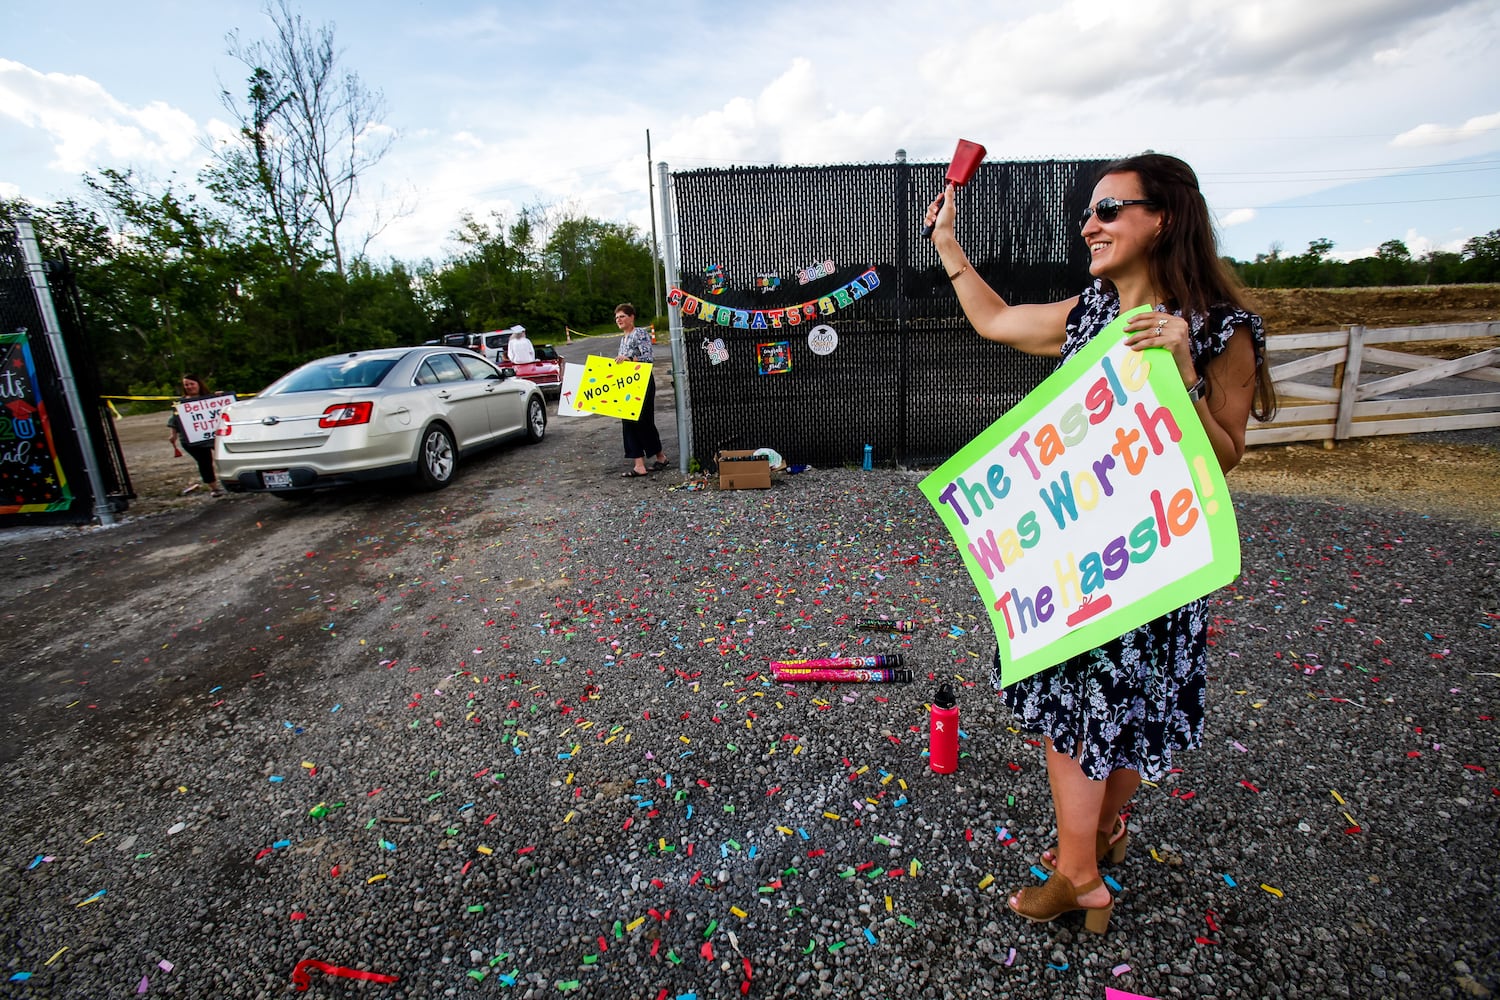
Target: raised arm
{"x": 1034, "y": 329}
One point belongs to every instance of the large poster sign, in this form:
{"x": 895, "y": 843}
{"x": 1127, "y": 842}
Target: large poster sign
{"x": 615, "y": 389}
{"x": 200, "y": 417}
{"x": 1095, "y": 505}
{"x": 32, "y": 480}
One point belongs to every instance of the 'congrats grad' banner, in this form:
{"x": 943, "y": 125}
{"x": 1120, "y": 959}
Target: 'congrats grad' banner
{"x": 1093, "y": 506}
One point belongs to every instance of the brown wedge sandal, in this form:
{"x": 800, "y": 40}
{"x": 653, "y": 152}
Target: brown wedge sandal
{"x": 1042, "y": 904}
{"x": 1107, "y": 847}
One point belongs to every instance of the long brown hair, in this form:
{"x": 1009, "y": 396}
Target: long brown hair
{"x": 1184, "y": 260}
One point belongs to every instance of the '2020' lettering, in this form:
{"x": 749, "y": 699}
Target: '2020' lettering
{"x": 12, "y": 428}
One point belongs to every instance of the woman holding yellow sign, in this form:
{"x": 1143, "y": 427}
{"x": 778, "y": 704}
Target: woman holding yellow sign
{"x": 641, "y": 437}
{"x": 1118, "y": 713}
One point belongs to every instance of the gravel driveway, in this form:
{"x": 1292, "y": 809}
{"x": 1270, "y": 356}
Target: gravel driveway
{"x": 517, "y": 738}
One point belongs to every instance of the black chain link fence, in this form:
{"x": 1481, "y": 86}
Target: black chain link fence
{"x": 38, "y": 436}
{"x": 908, "y": 376}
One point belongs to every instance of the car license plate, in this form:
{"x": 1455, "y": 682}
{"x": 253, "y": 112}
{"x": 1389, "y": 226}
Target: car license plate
{"x": 276, "y": 480}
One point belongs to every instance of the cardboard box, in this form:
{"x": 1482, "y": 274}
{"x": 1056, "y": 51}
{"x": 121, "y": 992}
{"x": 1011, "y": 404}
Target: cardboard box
{"x": 743, "y": 470}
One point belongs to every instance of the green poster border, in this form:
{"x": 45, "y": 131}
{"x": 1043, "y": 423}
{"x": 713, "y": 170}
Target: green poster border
{"x": 1223, "y": 528}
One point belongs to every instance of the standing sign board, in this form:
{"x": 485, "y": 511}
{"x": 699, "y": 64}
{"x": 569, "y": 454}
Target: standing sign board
{"x": 32, "y": 479}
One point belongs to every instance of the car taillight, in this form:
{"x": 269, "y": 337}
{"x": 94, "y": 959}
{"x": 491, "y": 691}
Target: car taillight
{"x": 222, "y": 430}
{"x": 346, "y": 414}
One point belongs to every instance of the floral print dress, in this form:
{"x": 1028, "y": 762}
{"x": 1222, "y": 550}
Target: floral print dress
{"x": 1136, "y": 700}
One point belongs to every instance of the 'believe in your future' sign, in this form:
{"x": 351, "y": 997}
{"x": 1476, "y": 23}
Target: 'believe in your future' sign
{"x": 1093, "y": 506}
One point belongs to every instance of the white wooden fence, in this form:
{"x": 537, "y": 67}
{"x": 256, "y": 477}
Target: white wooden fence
{"x": 1361, "y": 398}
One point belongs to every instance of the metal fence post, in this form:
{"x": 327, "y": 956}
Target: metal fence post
{"x": 903, "y": 265}
{"x": 52, "y": 328}
{"x": 674, "y": 319}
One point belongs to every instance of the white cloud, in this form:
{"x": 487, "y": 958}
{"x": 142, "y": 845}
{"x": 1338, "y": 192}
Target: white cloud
{"x": 1418, "y": 245}
{"x": 1104, "y": 51}
{"x": 1429, "y": 134}
{"x": 88, "y": 128}
{"x": 791, "y": 120}
{"x": 531, "y": 161}
{"x": 501, "y": 106}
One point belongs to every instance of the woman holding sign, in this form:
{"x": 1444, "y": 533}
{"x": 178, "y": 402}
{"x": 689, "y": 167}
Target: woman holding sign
{"x": 193, "y": 388}
{"x": 641, "y": 437}
{"x": 1120, "y": 712}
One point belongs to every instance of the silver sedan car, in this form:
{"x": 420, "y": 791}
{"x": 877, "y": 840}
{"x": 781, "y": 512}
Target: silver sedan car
{"x": 408, "y": 411}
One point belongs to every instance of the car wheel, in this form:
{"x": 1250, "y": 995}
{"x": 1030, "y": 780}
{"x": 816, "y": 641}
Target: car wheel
{"x": 436, "y": 459}
{"x": 536, "y": 420}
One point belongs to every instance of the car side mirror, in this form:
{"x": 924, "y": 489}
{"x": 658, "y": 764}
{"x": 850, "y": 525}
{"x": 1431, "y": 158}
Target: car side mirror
{"x": 507, "y": 373}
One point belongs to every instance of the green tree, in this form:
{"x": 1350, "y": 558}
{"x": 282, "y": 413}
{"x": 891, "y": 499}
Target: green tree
{"x": 1393, "y": 265}
{"x": 1481, "y": 256}
{"x": 177, "y": 277}
{"x": 1441, "y": 267}
{"x": 257, "y": 181}
{"x": 597, "y": 265}
{"x": 489, "y": 282}
{"x": 384, "y": 309}
{"x": 309, "y": 133}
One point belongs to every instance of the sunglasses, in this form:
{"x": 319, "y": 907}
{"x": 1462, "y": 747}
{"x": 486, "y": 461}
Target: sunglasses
{"x": 1108, "y": 209}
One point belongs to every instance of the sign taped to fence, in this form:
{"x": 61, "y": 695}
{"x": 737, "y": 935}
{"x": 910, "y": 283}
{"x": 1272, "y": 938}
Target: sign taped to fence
{"x": 1093, "y": 506}
{"x": 32, "y": 480}
{"x": 199, "y": 418}
{"x": 612, "y": 388}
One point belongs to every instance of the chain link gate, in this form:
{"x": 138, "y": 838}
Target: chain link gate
{"x": 900, "y": 369}
{"x": 60, "y": 459}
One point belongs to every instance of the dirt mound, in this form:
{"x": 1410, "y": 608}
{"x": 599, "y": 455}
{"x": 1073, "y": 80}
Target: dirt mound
{"x": 1307, "y": 310}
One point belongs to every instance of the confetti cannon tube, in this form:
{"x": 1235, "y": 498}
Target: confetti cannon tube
{"x": 888, "y": 625}
{"x": 841, "y": 675}
{"x": 878, "y": 660}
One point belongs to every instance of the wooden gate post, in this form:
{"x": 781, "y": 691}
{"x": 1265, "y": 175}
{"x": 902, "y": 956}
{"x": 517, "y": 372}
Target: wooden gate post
{"x": 1348, "y": 385}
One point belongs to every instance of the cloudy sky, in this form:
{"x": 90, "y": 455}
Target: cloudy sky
{"x": 1355, "y": 120}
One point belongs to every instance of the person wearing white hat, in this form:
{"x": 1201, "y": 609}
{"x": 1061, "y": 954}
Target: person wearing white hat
{"x": 519, "y": 350}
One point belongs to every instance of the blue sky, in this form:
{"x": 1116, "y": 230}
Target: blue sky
{"x": 1355, "y": 120}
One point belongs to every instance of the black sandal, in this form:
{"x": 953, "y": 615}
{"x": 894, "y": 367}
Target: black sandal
{"x": 659, "y": 466}
{"x": 632, "y": 474}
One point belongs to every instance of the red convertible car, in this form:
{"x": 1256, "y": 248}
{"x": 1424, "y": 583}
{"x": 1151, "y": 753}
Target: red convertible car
{"x": 546, "y": 371}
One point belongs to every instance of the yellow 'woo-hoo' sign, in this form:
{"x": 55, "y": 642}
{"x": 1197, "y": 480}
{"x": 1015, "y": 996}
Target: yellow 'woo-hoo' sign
{"x": 611, "y": 388}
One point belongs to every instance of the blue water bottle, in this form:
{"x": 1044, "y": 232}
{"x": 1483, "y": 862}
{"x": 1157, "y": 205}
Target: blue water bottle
{"x": 869, "y": 453}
